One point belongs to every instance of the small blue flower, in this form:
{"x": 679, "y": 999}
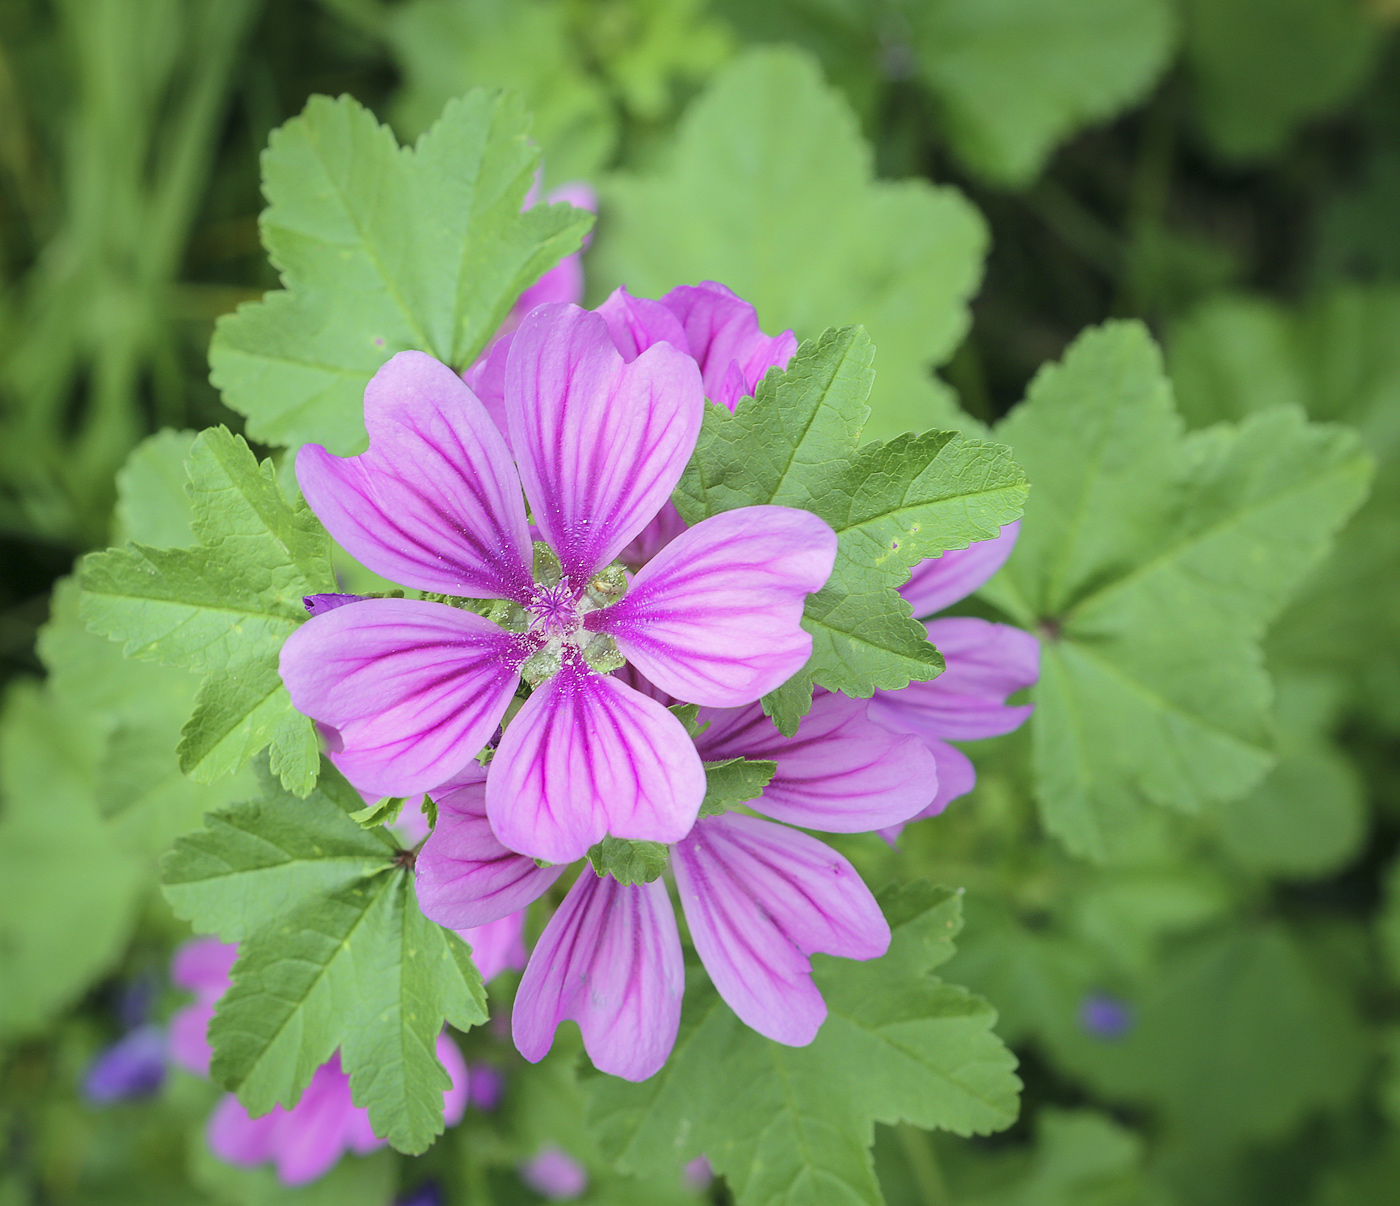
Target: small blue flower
{"x": 1105, "y": 1016}
{"x": 134, "y": 1066}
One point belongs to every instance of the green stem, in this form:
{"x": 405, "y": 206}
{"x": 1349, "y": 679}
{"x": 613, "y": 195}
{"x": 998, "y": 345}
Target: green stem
{"x": 923, "y": 1165}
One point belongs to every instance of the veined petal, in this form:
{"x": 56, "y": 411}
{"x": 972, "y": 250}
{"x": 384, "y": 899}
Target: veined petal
{"x": 600, "y": 443}
{"x": 956, "y": 777}
{"x": 841, "y": 772}
{"x": 435, "y": 502}
{"x": 465, "y": 877}
{"x": 759, "y": 899}
{"x": 940, "y": 582}
{"x": 589, "y": 756}
{"x": 663, "y": 529}
{"x": 635, "y": 323}
{"x": 487, "y": 380}
{"x": 715, "y": 617}
{"x": 609, "y": 959}
{"x": 413, "y": 689}
{"x": 986, "y": 662}
{"x": 724, "y": 337}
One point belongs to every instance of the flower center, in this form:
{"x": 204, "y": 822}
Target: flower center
{"x": 554, "y": 611}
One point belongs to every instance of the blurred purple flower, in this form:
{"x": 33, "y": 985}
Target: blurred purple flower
{"x": 429, "y": 1194}
{"x": 486, "y": 1085}
{"x": 1105, "y": 1016}
{"x": 698, "y": 1174}
{"x": 134, "y": 1066}
{"x": 555, "y": 1174}
{"x": 986, "y": 662}
{"x": 415, "y": 689}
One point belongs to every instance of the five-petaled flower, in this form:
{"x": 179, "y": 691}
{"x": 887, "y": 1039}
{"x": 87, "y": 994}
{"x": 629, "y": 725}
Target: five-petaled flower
{"x": 414, "y": 689}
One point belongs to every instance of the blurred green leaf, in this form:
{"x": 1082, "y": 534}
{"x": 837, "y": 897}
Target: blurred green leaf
{"x": 1263, "y": 67}
{"x": 383, "y": 248}
{"x": 1016, "y": 77}
{"x": 70, "y": 893}
{"x": 769, "y": 191}
{"x": 1150, "y": 563}
{"x": 794, "y": 1125}
{"x": 447, "y": 47}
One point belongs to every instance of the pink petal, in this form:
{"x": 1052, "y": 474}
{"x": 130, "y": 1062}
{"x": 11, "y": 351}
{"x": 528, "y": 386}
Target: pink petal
{"x": 202, "y": 965}
{"x": 413, "y": 689}
{"x": 759, "y": 899}
{"x": 454, "y": 1100}
{"x": 941, "y": 581}
{"x": 588, "y": 756}
{"x": 465, "y": 877}
{"x": 986, "y": 662}
{"x": 956, "y": 777}
{"x": 499, "y": 945}
{"x": 601, "y": 443}
{"x": 610, "y": 959}
{"x": 840, "y": 773}
{"x": 435, "y": 502}
{"x": 554, "y": 1174}
{"x": 486, "y": 378}
{"x": 724, "y": 336}
{"x": 317, "y": 1131}
{"x": 187, "y": 1037}
{"x": 715, "y": 617}
{"x": 635, "y": 323}
{"x": 239, "y": 1139}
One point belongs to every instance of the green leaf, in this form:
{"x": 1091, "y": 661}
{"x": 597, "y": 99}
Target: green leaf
{"x": 629, "y": 862}
{"x": 152, "y": 503}
{"x": 223, "y": 609}
{"x": 71, "y": 892}
{"x": 385, "y": 812}
{"x": 333, "y": 954}
{"x": 1339, "y": 358}
{"x": 734, "y": 781}
{"x": 383, "y": 249}
{"x": 1150, "y": 562}
{"x": 891, "y": 505}
{"x": 1263, "y": 67}
{"x": 768, "y": 167}
{"x": 1015, "y": 78}
{"x": 794, "y": 1125}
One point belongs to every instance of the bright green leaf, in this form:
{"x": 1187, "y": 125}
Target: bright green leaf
{"x": 382, "y": 249}
{"x": 734, "y": 781}
{"x": 629, "y": 862}
{"x": 1150, "y": 563}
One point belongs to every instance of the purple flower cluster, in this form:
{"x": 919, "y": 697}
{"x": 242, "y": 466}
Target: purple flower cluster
{"x": 302, "y": 1143}
{"x": 560, "y": 638}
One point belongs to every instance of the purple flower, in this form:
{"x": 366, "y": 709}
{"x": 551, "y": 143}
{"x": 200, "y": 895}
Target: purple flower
{"x": 486, "y": 1085}
{"x": 415, "y": 689}
{"x": 554, "y": 1174}
{"x": 498, "y": 945}
{"x": 698, "y": 1173}
{"x": 759, "y": 898}
{"x": 986, "y": 662}
{"x": 1105, "y": 1016}
{"x": 306, "y": 1141}
{"x": 134, "y": 1066}
{"x": 429, "y": 1194}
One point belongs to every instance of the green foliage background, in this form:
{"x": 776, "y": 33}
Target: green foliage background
{"x": 1201, "y": 820}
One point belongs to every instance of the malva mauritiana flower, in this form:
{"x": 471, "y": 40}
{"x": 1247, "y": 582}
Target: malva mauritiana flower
{"x": 985, "y": 663}
{"x": 415, "y": 689}
{"x": 759, "y": 898}
{"x": 306, "y": 1141}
